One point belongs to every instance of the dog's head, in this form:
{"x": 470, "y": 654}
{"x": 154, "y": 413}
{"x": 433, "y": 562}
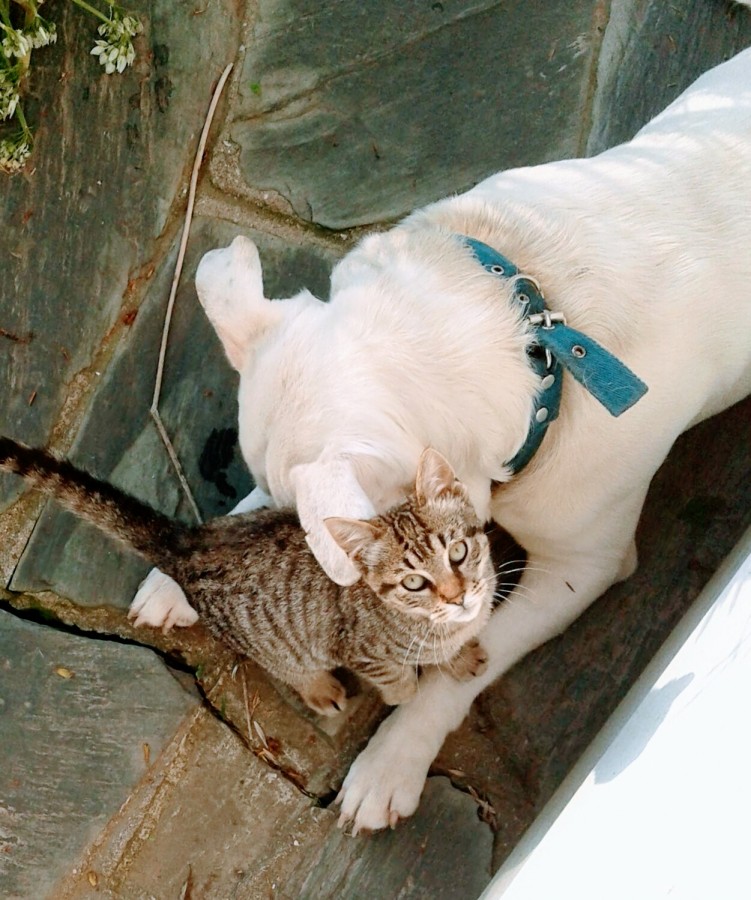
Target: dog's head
{"x": 333, "y": 396}
{"x": 286, "y": 417}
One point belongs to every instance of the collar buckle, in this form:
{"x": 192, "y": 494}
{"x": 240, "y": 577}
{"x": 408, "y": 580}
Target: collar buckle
{"x": 546, "y": 319}
{"x": 604, "y": 376}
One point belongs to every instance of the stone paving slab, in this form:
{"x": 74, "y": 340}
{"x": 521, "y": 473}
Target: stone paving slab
{"x": 299, "y": 134}
{"x": 79, "y": 721}
{"x": 211, "y": 817}
{"x": 442, "y": 853}
{"x": 119, "y": 442}
{"x": 82, "y": 228}
{"x": 664, "y": 46}
{"x": 354, "y": 113}
{"x": 314, "y": 752}
{"x": 215, "y": 822}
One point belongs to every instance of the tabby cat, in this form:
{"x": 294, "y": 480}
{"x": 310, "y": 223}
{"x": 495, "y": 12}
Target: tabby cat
{"x": 426, "y": 589}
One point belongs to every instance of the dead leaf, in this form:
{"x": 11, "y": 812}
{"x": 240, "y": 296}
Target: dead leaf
{"x": 187, "y": 891}
{"x": 261, "y": 734}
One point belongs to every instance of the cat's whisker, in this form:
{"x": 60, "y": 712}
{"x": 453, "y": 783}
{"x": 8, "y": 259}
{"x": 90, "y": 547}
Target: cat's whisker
{"x": 506, "y": 589}
{"x": 405, "y": 661}
{"x": 513, "y": 586}
{"x": 516, "y": 596}
{"x": 513, "y": 562}
{"x": 502, "y": 571}
{"x": 417, "y": 660}
{"x": 439, "y": 636}
{"x": 487, "y": 584}
{"x": 519, "y": 565}
{"x": 445, "y": 652}
{"x": 536, "y": 569}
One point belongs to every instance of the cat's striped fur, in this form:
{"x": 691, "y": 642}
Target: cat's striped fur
{"x": 426, "y": 589}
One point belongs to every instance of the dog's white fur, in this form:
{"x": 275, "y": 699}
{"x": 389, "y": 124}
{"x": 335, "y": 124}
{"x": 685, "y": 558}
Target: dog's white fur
{"x": 645, "y": 248}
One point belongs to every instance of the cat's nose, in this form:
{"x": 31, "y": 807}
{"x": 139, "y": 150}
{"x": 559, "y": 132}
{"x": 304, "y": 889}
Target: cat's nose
{"x": 450, "y": 590}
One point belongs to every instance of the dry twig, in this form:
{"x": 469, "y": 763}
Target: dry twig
{"x": 173, "y": 292}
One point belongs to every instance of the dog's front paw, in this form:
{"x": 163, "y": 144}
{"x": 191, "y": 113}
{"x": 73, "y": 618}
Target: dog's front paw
{"x": 160, "y": 602}
{"x": 386, "y": 780}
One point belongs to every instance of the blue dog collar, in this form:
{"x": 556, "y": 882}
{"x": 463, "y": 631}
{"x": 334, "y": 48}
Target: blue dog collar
{"x": 557, "y": 346}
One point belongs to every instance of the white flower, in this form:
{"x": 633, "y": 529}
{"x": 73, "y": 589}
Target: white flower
{"x": 8, "y": 99}
{"x": 118, "y": 28}
{"x": 116, "y": 51}
{"x": 132, "y": 26}
{"x": 40, "y": 33}
{"x": 15, "y": 43}
{"x": 13, "y": 154}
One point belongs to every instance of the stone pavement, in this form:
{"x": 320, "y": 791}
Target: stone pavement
{"x": 135, "y": 764}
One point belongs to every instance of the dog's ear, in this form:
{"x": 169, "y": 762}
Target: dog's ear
{"x": 230, "y": 287}
{"x": 323, "y": 489}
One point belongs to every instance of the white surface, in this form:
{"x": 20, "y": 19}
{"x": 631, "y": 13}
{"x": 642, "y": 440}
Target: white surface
{"x": 664, "y": 810}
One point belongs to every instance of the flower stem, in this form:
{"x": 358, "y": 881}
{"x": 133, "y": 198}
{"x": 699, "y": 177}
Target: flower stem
{"x": 23, "y": 123}
{"x": 91, "y": 9}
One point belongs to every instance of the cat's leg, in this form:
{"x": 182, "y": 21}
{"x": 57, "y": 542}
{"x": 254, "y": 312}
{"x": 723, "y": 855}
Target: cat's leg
{"x": 161, "y": 602}
{"x": 385, "y": 782}
{"x": 322, "y": 691}
{"x": 470, "y": 662}
{"x": 396, "y": 682}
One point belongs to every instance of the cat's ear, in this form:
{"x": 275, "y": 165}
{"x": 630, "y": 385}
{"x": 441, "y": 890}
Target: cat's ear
{"x": 353, "y": 535}
{"x": 230, "y": 287}
{"x": 434, "y": 476}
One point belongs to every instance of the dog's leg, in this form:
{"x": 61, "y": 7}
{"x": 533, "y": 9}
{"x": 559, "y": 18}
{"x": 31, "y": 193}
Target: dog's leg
{"x": 256, "y": 499}
{"x": 161, "y": 602}
{"x": 385, "y": 782}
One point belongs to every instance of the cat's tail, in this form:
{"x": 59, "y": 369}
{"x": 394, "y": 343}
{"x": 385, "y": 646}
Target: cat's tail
{"x": 138, "y": 526}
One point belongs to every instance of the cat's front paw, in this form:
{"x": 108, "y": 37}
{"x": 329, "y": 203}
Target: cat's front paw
{"x": 324, "y": 694}
{"x": 160, "y": 602}
{"x": 386, "y": 780}
{"x": 470, "y": 661}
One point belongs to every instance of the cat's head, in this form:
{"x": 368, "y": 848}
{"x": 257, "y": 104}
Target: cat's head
{"x": 429, "y": 556}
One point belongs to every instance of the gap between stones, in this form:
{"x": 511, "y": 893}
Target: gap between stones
{"x": 187, "y": 653}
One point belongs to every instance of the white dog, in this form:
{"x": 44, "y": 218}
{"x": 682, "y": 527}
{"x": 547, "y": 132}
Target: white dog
{"x": 645, "y": 249}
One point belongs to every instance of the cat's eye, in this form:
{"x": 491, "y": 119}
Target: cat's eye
{"x": 414, "y": 582}
{"x": 457, "y": 551}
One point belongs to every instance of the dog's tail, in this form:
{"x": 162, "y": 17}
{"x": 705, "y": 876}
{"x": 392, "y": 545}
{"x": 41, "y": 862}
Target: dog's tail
{"x": 151, "y": 534}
